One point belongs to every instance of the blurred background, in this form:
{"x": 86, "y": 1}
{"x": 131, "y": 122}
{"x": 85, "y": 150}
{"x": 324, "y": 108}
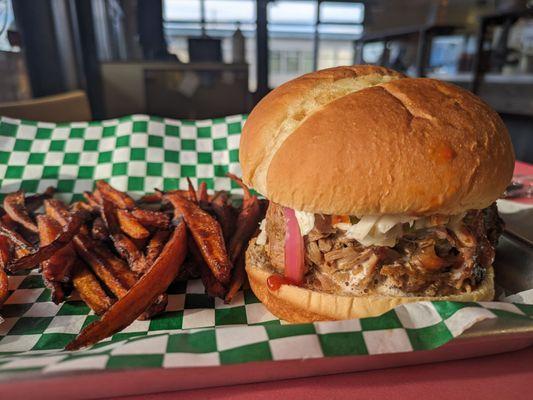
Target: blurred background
{"x": 80, "y": 60}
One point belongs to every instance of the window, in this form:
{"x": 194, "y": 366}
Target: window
{"x": 293, "y": 62}
{"x": 345, "y": 30}
{"x": 230, "y": 11}
{"x": 292, "y": 12}
{"x": 6, "y": 20}
{"x": 307, "y": 61}
{"x": 275, "y": 62}
{"x": 332, "y": 12}
{"x": 183, "y": 19}
{"x": 291, "y": 27}
{"x": 221, "y": 17}
{"x": 182, "y": 10}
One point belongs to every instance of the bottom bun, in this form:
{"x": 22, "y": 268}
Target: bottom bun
{"x": 297, "y": 304}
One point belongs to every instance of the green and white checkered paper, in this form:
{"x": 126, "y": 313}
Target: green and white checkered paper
{"x": 137, "y": 154}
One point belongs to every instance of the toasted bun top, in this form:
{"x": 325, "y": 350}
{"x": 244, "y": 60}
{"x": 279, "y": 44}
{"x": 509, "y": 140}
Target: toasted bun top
{"x": 366, "y": 140}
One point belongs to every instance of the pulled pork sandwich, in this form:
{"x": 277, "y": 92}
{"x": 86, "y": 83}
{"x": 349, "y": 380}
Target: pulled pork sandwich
{"x": 381, "y": 190}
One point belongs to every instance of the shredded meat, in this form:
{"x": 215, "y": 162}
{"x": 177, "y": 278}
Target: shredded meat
{"x": 434, "y": 260}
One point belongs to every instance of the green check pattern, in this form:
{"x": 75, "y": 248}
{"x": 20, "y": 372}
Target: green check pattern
{"x": 134, "y": 153}
{"x": 138, "y": 153}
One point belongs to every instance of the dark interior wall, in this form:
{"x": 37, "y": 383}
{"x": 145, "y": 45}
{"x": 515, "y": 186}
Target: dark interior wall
{"x": 521, "y": 131}
{"x": 36, "y": 26}
{"x": 150, "y": 23}
{"x": 89, "y": 56}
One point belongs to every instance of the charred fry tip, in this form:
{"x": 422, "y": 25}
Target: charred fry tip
{"x": 202, "y": 192}
{"x": 192, "y": 191}
{"x": 14, "y": 237}
{"x": 217, "y": 194}
{"x": 151, "y": 197}
{"x": 239, "y": 182}
{"x": 62, "y": 239}
{"x": 15, "y": 207}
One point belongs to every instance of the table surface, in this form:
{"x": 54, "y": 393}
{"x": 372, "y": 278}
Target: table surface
{"x": 501, "y": 376}
{"x": 522, "y": 168}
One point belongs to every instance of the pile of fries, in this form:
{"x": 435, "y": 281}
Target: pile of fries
{"x": 121, "y": 255}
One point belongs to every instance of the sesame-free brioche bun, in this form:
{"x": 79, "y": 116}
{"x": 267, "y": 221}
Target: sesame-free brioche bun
{"x": 365, "y": 140}
{"x": 298, "y": 304}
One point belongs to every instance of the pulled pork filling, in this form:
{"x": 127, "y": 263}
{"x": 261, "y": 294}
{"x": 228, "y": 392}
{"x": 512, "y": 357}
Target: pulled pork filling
{"x": 442, "y": 256}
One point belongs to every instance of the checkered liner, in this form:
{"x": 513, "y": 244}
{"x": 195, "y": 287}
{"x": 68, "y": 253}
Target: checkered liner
{"x": 136, "y": 154}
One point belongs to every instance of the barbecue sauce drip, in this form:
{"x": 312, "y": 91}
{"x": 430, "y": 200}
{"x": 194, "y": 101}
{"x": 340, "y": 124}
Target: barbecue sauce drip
{"x": 274, "y": 282}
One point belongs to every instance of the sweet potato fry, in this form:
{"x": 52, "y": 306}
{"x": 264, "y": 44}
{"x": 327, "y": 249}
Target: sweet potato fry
{"x": 189, "y": 270}
{"x": 5, "y": 252}
{"x": 120, "y": 199}
{"x": 247, "y": 223}
{"x": 98, "y": 196}
{"x": 108, "y": 213}
{"x": 57, "y": 291}
{"x": 145, "y": 292}
{"x": 35, "y": 201}
{"x": 217, "y": 195}
{"x": 191, "y": 191}
{"x": 202, "y": 193}
{"x": 4, "y": 284}
{"x": 237, "y": 279}
{"x": 155, "y": 246}
{"x": 58, "y": 267}
{"x": 89, "y": 289}
{"x": 130, "y": 252}
{"x": 140, "y": 243}
{"x": 14, "y": 205}
{"x": 213, "y": 287}
{"x": 157, "y": 307}
{"x": 4, "y": 260}
{"x": 238, "y": 181}
{"x": 111, "y": 271}
{"x": 207, "y": 234}
{"x": 151, "y": 219}
{"x": 124, "y": 246}
{"x": 7, "y": 221}
{"x": 225, "y": 215}
{"x": 82, "y": 206}
{"x": 91, "y": 200}
{"x": 52, "y": 241}
{"x": 221, "y": 197}
{"x": 131, "y": 226}
{"x": 22, "y": 247}
{"x": 99, "y": 230}
{"x": 151, "y": 198}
